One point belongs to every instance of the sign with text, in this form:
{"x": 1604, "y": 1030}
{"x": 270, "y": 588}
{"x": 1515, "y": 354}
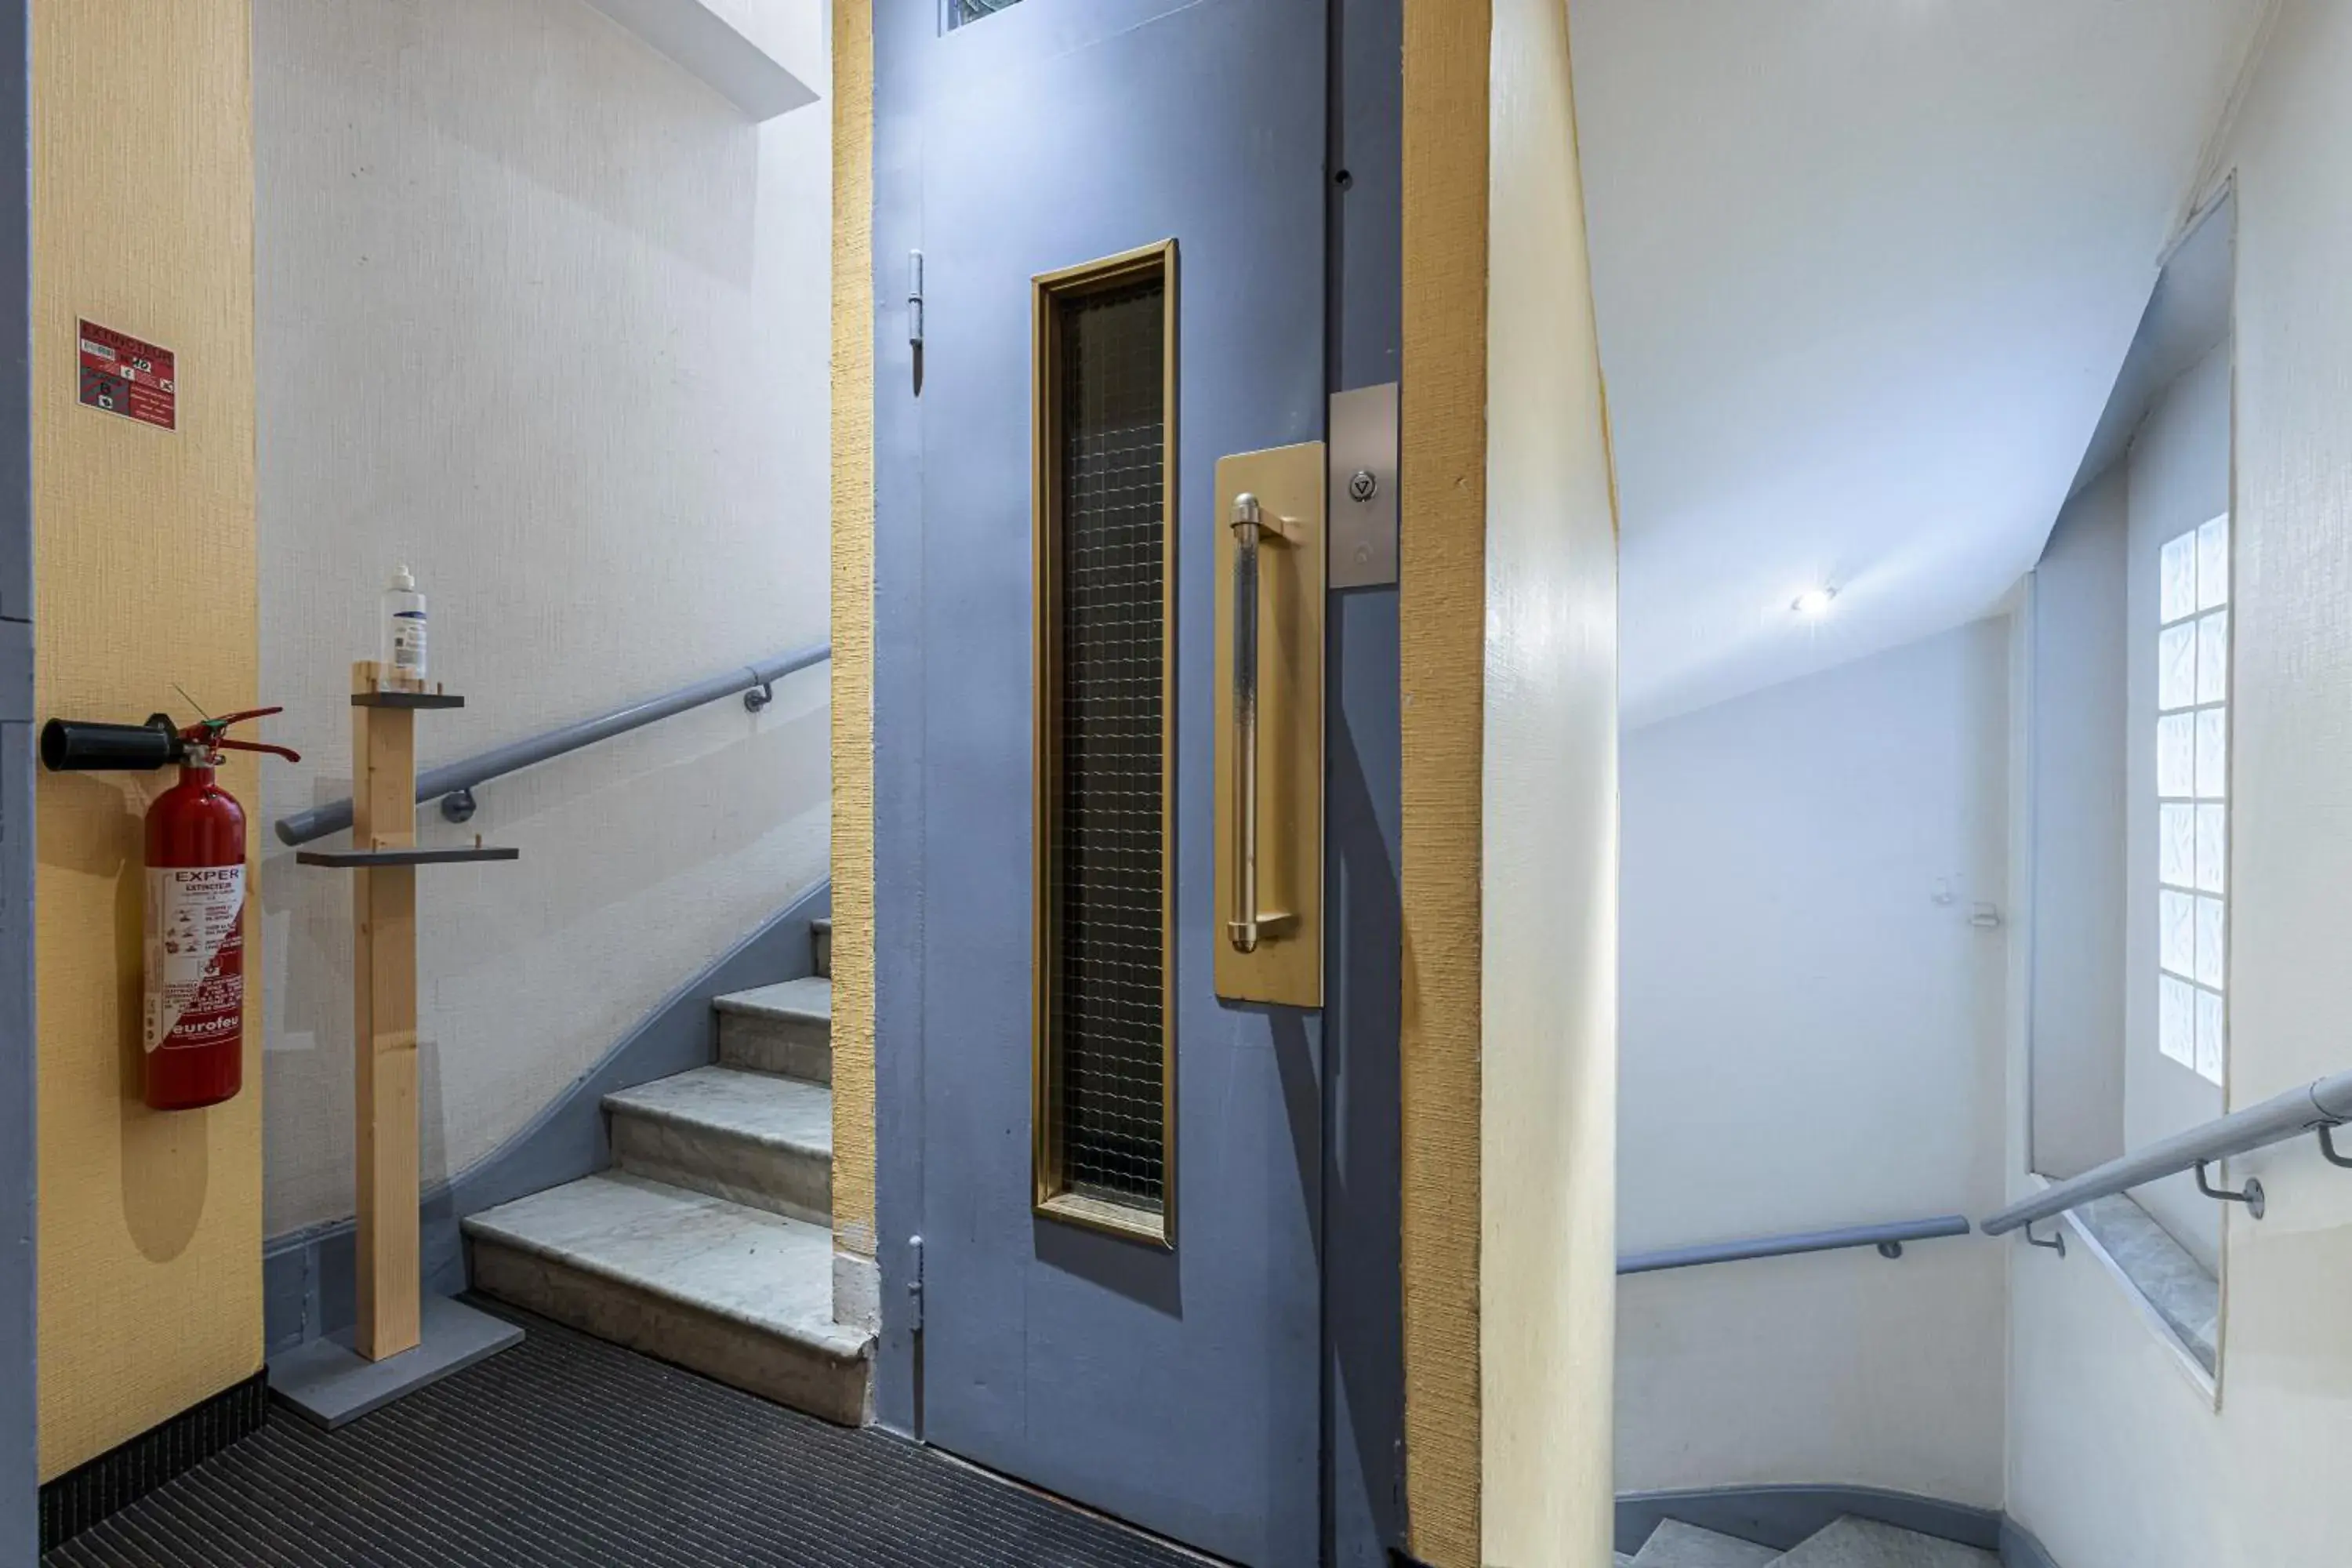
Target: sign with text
{"x": 120, "y": 375}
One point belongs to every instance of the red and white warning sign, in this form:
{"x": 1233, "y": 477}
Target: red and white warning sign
{"x": 122, "y": 376}
{"x": 196, "y": 954}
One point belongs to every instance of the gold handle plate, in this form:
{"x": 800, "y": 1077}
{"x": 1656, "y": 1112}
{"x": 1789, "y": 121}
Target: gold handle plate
{"x": 1269, "y": 766}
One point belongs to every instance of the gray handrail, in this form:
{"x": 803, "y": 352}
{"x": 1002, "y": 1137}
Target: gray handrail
{"x": 1887, "y": 1238}
{"x": 2324, "y": 1104}
{"x": 458, "y": 779}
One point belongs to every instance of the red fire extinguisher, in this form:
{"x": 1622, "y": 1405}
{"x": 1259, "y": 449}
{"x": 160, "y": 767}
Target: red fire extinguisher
{"x": 193, "y": 1024}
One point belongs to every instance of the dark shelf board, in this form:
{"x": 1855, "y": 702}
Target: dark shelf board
{"x": 360, "y": 858}
{"x": 406, "y": 700}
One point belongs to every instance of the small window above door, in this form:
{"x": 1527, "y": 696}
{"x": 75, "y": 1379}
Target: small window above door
{"x": 961, "y": 12}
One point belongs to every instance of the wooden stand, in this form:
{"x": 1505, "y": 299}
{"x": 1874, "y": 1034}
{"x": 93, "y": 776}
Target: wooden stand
{"x": 383, "y": 1019}
{"x": 325, "y": 1380}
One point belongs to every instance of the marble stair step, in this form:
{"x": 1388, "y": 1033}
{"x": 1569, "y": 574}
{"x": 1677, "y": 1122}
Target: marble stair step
{"x": 1866, "y": 1544}
{"x": 1675, "y": 1544}
{"x": 749, "y": 1137}
{"x": 786, "y": 1030}
{"x": 821, "y": 942}
{"x": 735, "y": 1293}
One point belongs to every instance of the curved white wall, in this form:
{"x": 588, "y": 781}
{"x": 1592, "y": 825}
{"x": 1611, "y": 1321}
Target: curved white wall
{"x": 1813, "y": 1039}
{"x": 1549, "y": 826}
{"x": 546, "y": 318}
{"x": 2179, "y": 476}
{"x": 2115, "y": 1459}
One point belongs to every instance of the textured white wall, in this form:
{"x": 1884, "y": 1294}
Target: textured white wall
{"x": 1548, "y": 867}
{"x": 544, "y": 316}
{"x": 2116, "y": 1461}
{"x": 2077, "y": 815}
{"x": 1810, "y": 1040}
{"x": 2179, "y": 477}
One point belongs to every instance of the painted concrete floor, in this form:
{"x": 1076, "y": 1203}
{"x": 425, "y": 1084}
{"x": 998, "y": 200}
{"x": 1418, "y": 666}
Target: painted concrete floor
{"x": 567, "y": 1450}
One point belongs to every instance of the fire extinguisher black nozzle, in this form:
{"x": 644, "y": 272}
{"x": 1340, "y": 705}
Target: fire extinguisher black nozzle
{"x": 70, "y": 745}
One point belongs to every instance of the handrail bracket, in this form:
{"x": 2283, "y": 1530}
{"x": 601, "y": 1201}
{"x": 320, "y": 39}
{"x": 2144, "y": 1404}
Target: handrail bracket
{"x": 2326, "y": 1131}
{"x": 2251, "y": 1195}
{"x": 2057, "y": 1242}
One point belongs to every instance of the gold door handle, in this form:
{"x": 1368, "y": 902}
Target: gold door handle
{"x": 1249, "y": 925}
{"x": 1270, "y": 576}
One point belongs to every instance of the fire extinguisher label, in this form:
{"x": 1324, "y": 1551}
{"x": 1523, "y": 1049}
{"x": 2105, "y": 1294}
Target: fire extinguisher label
{"x": 195, "y": 955}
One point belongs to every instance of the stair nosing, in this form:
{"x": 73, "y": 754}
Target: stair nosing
{"x": 734, "y": 1003}
{"x": 847, "y": 1345}
{"x": 618, "y": 1103}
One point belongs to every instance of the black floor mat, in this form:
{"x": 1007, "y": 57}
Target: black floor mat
{"x": 569, "y": 1450}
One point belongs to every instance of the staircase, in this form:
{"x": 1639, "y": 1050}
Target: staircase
{"x": 709, "y": 1241}
{"x": 1848, "y": 1543}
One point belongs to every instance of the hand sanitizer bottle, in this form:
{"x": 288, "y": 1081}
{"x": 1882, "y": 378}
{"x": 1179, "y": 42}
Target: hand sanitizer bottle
{"x": 404, "y": 627}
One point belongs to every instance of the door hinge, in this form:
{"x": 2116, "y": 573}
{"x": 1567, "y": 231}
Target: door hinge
{"x": 914, "y": 299}
{"x": 915, "y": 1284}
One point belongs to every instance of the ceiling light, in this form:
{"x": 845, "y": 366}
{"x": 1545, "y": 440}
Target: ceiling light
{"x": 1814, "y": 603}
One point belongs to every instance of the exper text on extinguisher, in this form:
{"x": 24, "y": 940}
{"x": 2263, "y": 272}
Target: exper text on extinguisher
{"x": 192, "y": 1027}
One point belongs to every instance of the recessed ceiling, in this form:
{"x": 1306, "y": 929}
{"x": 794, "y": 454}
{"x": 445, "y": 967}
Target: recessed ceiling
{"x": 1866, "y": 271}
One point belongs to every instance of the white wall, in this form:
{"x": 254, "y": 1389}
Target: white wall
{"x": 545, "y": 318}
{"x": 2077, "y": 815}
{"x": 1811, "y": 1040}
{"x": 1864, "y": 272}
{"x": 2179, "y": 477}
{"x": 2116, "y": 1461}
{"x": 1548, "y": 920}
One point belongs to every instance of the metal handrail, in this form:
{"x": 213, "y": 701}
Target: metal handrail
{"x": 2316, "y": 1108}
{"x": 1887, "y": 1238}
{"x": 454, "y": 783}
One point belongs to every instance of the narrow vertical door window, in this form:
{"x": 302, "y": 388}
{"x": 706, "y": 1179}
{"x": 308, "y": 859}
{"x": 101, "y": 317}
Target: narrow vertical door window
{"x": 1104, "y": 1060}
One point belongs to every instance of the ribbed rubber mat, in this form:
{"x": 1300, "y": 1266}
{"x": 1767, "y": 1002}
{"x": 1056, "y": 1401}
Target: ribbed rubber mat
{"x": 569, "y": 1450}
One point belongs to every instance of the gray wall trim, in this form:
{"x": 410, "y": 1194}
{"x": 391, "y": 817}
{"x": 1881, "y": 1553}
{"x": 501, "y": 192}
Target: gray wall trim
{"x": 2019, "y": 1550}
{"x": 19, "y": 1211}
{"x": 307, "y": 1275}
{"x": 1782, "y": 1517}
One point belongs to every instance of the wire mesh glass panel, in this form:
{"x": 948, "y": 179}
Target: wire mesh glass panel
{"x": 1107, "y": 929}
{"x": 962, "y": 11}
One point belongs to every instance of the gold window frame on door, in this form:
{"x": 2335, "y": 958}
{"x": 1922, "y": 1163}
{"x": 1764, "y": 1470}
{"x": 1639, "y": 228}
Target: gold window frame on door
{"x": 1053, "y": 1196}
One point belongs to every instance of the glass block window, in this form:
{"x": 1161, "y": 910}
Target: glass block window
{"x": 2192, "y": 779}
{"x": 960, "y": 12}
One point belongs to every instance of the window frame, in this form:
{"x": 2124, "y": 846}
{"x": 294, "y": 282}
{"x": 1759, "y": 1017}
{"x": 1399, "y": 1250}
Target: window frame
{"x": 2194, "y": 646}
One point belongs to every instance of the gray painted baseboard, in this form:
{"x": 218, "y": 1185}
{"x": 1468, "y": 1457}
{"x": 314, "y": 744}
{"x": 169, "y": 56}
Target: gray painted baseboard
{"x": 1782, "y": 1517}
{"x": 2019, "y": 1550}
{"x": 306, "y": 1275}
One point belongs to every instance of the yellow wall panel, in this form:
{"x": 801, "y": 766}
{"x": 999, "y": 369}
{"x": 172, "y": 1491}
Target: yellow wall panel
{"x": 852, "y": 626}
{"x": 144, "y": 548}
{"x": 1442, "y": 487}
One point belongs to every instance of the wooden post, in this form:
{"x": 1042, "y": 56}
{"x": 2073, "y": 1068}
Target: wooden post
{"x": 383, "y": 987}
{"x": 326, "y": 1380}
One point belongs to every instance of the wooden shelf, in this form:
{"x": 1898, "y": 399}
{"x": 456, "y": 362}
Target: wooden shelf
{"x": 363, "y": 858}
{"x": 406, "y": 700}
